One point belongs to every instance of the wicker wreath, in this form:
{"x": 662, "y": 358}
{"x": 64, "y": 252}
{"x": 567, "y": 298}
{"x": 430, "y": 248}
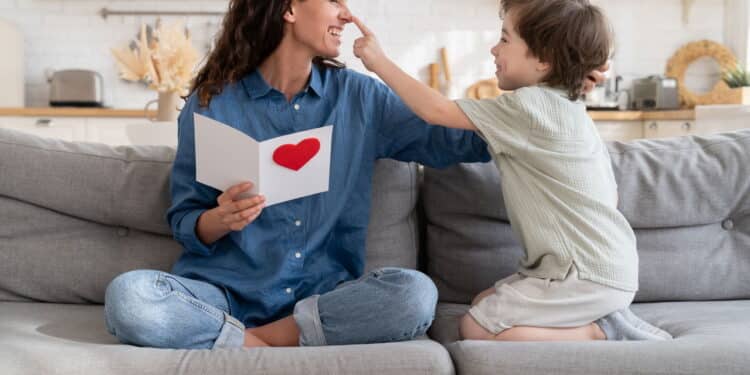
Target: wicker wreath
{"x": 679, "y": 63}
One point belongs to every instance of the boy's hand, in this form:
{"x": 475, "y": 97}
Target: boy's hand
{"x": 367, "y": 47}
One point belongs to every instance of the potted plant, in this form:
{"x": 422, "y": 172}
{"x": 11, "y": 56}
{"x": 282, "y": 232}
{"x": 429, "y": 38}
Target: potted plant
{"x": 164, "y": 59}
{"x": 738, "y": 80}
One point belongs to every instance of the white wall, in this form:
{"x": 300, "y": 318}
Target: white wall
{"x": 63, "y": 34}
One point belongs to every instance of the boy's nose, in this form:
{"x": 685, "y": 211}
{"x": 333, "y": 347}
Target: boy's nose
{"x": 493, "y": 50}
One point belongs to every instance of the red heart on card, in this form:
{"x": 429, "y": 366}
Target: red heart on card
{"x": 296, "y": 156}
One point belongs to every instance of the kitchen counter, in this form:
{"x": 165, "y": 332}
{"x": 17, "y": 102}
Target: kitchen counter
{"x": 687, "y": 114}
{"x": 75, "y": 112}
{"x": 676, "y": 115}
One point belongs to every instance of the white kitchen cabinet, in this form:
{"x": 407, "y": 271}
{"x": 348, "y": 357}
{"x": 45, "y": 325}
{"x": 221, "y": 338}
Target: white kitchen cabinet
{"x": 111, "y": 131}
{"x": 620, "y": 130}
{"x": 666, "y": 129}
{"x": 65, "y": 128}
{"x": 129, "y": 131}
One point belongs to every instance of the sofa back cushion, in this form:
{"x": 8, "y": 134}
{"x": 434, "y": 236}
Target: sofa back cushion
{"x": 687, "y": 198}
{"x": 75, "y": 215}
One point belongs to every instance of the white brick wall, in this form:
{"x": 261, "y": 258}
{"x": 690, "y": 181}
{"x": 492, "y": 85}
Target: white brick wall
{"x": 62, "y": 34}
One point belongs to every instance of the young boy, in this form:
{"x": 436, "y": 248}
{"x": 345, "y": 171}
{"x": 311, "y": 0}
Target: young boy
{"x": 580, "y": 272}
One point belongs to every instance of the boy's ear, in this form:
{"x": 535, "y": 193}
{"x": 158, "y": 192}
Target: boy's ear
{"x": 543, "y": 67}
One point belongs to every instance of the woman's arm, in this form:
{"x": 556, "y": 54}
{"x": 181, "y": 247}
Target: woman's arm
{"x": 427, "y": 103}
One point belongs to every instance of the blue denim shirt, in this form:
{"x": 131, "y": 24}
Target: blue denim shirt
{"x": 309, "y": 245}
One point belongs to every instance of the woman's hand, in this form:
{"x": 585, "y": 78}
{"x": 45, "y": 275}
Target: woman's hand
{"x": 236, "y": 214}
{"x": 367, "y": 48}
{"x": 232, "y": 214}
{"x": 594, "y": 78}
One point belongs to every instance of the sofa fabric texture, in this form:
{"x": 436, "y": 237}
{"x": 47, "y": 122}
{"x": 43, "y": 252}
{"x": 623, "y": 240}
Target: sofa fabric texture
{"x": 75, "y": 215}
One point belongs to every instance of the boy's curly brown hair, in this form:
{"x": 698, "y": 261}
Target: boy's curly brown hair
{"x": 573, "y": 36}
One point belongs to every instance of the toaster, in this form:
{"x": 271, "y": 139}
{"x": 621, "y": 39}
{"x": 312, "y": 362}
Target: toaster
{"x": 76, "y": 88}
{"x": 655, "y": 92}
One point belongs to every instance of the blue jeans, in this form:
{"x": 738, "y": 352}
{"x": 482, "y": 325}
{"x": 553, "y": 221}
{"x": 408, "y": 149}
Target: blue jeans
{"x": 157, "y": 309}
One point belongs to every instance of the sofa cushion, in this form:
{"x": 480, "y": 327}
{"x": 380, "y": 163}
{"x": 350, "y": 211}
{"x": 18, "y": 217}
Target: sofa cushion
{"x": 40, "y": 338}
{"x": 52, "y": 257}
{"x": 710, "y": 338}
{"x": 75, "y": 215}
{"x": 687, "y": 198}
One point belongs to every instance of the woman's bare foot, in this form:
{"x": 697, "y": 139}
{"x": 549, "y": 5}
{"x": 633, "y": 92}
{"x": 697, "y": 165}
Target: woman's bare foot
{"x": 251, "y": 341}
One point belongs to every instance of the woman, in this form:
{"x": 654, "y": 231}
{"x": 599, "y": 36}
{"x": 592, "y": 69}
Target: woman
{"x": 290, "y": 274}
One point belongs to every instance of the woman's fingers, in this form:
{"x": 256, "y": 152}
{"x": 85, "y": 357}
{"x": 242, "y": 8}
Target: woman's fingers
{"x": 231, "y": 194}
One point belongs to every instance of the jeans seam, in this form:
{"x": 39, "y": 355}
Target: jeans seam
{"x": 191, "y": 300}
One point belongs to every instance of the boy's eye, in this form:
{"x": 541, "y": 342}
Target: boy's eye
{"x": 504, "y": 40}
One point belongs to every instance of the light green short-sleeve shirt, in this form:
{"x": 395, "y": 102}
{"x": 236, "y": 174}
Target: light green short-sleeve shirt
{"x": 558, "y": 186}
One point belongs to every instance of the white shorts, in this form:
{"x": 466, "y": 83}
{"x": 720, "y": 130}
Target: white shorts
{"x": 520, "y": 300}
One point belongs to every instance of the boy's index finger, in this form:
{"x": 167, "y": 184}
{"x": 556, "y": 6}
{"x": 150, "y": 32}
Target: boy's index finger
{"x": 361, "y": 26}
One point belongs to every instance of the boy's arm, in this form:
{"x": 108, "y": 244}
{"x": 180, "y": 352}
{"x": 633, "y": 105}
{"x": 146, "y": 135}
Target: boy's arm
{"x": 427, "y": 103}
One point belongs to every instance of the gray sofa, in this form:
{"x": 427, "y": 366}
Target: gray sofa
{"x": 73, "y": 216}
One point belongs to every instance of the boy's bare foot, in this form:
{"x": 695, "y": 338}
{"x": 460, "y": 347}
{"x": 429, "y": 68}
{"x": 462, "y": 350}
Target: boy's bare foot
{"x": 251, "y": 341}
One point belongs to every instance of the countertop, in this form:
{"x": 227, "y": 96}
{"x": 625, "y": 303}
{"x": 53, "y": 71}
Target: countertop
{"x": 678, "y": 115}
{"x": 74, "y": 112}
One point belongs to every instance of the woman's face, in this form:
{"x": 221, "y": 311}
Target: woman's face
{"x": 319, "y": 24}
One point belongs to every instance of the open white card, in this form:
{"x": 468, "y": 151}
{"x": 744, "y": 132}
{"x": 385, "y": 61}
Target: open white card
{"x": 225, "y": 157}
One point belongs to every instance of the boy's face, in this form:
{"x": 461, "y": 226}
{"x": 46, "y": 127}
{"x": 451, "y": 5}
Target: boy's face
{"x": 516, "y": 66}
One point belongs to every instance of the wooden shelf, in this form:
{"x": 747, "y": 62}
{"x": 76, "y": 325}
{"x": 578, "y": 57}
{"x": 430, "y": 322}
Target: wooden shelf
{"x": 75, "y": 112}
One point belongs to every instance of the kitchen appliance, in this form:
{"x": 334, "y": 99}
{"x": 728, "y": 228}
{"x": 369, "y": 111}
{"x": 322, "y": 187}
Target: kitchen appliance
{"x": 603, "y": 97}
{"x": 76, "y": 88}
{"x": 655, "y": 92}
{"x": 11, "y": 66}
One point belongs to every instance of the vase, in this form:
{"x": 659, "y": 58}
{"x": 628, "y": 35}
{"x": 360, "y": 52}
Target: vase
{"x": 740, "y": 95}
{"x": 167, "y": 108}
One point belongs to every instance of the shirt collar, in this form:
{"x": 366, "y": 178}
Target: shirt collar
{"x": 257, "y": 87}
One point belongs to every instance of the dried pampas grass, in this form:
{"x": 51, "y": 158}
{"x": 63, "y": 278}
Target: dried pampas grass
{"x": 163, "y": 58}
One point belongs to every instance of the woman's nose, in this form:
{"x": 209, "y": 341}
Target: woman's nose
{"x": 345, "y": 14}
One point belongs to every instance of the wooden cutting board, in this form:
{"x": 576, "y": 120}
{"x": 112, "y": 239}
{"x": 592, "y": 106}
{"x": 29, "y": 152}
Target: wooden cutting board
{"x": 11, "y": 66}
{"x": 484, "y": 89}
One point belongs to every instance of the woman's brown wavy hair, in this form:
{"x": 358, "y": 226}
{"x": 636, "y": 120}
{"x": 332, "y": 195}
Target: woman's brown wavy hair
{"x": 251, "y": 31}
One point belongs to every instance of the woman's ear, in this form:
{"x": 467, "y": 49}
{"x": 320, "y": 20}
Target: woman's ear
{"x": 289, "y": 15}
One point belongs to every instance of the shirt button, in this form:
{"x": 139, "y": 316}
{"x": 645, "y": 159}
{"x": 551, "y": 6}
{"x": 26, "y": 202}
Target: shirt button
{"x": 728, "y": 224}
{"x": 298, "y": 223}
{"x": 298, "y": 255}
{"x": 296, "y": 107}
{"x": 288, "y": 290}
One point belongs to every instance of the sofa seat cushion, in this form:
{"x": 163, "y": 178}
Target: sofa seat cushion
{"x": 38, "y": 338}
{"x": 710, "y": 338}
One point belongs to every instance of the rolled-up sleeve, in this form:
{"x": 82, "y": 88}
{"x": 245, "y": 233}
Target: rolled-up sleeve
{"x": 190, "y": 198}
{"x": 403, "y": 136}
{"x": 500, "y": 121}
